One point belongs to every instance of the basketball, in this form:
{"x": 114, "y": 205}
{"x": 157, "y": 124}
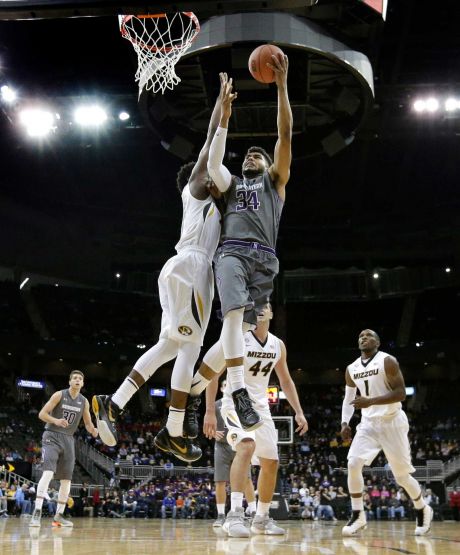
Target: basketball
{"x": 258, "y": 62}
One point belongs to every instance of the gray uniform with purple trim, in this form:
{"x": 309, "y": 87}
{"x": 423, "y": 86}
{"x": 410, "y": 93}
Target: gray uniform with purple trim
{"x": 246, "y": 263}
{"x": 58, "y": 449}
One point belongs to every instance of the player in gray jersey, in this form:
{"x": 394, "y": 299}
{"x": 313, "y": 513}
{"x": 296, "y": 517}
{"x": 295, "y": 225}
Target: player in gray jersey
{"x": 246, "y": 262}
{"x": 62, "y": 414}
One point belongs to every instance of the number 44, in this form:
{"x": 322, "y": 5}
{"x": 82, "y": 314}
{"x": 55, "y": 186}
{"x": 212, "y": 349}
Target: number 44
{"x": 256, "y": 368}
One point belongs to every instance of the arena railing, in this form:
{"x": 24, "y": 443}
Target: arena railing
{"x": 433, "y": 471}
{"x": 126, "y": 470}
{"x": 12, "y": 477}
{"x": 97, "y": 465}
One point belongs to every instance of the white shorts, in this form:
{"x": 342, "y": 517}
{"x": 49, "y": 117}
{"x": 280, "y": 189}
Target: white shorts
{"x": 265, "y": 437}
{"x": 384, "y": 434}
{"x": 186, "y": 288}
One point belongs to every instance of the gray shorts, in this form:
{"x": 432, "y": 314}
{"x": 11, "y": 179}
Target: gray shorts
{"x": 58, "y": 454}
{"x": 244, "y": 278}
{"x": 223, "y": 458}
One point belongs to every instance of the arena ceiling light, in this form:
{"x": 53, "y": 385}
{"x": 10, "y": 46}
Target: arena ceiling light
{"x": 38, "y": 122}
{"x": 90, "y": 116}
{"x": 8, "y": 94}
{"x": 124, "y": 116}
{"x": 451, "y": 105}
{"x": 432, "y": 104}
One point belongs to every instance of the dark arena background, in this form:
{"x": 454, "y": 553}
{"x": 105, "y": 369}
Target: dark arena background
{"x": 369, "y": 238}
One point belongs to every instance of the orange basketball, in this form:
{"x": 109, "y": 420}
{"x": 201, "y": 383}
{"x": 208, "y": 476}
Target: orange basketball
{"x": 258, "y": 62}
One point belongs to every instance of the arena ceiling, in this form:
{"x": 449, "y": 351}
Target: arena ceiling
{"x": 81, "y": 205}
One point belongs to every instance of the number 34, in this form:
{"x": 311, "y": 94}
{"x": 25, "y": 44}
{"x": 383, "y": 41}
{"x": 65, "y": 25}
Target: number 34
{"x": 247, "y": 200}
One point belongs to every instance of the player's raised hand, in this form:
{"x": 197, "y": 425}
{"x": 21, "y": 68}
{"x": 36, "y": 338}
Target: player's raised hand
{"x": 302, "y": 424}
{"x": 209, "y": 425}
{"x": 228, "y": 96}
{"x": 280, "y": 66}
{"x": 223, "y": 83}
{"x": 62, "y": 423}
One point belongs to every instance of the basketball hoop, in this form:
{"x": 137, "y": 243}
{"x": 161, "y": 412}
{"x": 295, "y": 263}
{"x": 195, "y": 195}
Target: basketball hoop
{"x": 159, "y": 41}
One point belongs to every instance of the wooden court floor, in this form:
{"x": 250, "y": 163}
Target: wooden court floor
{"x": 120, "y": 537}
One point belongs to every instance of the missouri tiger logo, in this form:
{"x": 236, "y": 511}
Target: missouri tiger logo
{"x": 184, "y": 330}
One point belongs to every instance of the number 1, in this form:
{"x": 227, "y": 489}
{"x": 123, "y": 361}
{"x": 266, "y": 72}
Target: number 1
{"x": 366, "y": 385}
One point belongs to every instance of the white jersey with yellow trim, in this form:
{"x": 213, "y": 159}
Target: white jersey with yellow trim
{"x": 200, "y": 224}
{"x": 371, "y": 380}
{"x": 259, "y": 361}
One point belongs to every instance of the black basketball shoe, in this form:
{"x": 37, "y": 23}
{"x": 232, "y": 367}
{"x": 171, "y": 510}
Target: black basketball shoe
{"x": 106, "y": 413}
{"x": 180, "y": 447}
{"x": 191, "y": 426}
{"x": 249, "y": 418}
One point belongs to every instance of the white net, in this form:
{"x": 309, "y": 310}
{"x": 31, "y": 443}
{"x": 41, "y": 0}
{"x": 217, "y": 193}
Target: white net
{"x": 159, "y": 42}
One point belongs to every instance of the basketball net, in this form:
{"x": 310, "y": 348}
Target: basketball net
{"x": 159, "y": 41}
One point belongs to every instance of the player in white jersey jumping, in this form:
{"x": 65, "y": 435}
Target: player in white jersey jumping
{"x": 384, "y": 427}
{"x": 186, "y": 287}
{"x": 263, "y": 353}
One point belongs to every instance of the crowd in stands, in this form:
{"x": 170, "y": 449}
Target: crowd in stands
{"x": 383, "y": 499}
{"x": 188, "y": 499}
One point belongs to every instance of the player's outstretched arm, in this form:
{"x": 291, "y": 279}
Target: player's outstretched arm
{"x": 280, "y": 170}
{"x": 198, "y": 178}
{"x": 88, "y": 421}
{"x": 288, "y": 386}
{"x": 50, "y": 405}
{"x": 217, "y": 171}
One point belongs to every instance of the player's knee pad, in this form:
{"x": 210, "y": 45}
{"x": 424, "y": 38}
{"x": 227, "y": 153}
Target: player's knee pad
{"x": 64, "y": 490}
{"x": 182, "y": 374}
{"x": 232, "y": 334}
{"x": 215, "y": 358}
{"x": 156, "y": 356}
{"x": 355, "y": 475}
{"x": 44, "y": 482}
{"x": 410, "y": 484}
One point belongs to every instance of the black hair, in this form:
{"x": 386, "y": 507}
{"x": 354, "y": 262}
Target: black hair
{"x": 262, "y": 151}
{"x": 183, "y": 175}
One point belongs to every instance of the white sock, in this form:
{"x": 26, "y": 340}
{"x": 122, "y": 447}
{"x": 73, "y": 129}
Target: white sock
{"x": 220, "y": 508}
{"x": 357, "y": 503}
{"x": 124, "y": 393}
{"x": 199, "y": 384}
{"x": 236, "y": 500}
{"x": 235, "y": 377}
{"x": 263, "y": 508}
{"x": 175, "y": 423}
{"x": 39, "y": 503}
{"x": 60, "y": 508}
{"x": 252, "y": 506}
